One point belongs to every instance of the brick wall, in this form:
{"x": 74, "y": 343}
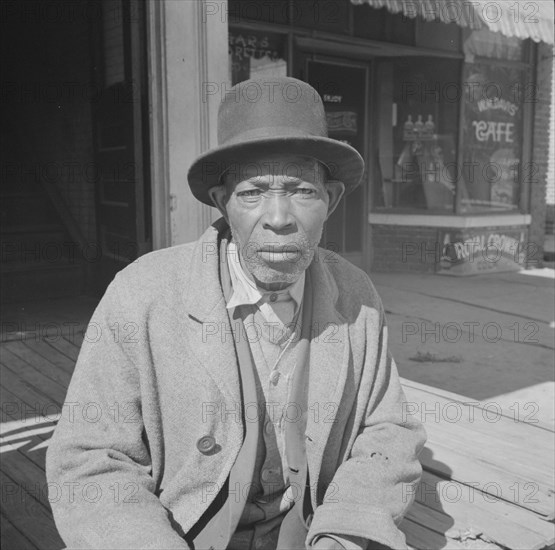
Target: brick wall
{"x": 540, "y": 147}
{"x": 419, "y": 249}
{"x": 404, "y": 248}
{"x": 550, "y": 195}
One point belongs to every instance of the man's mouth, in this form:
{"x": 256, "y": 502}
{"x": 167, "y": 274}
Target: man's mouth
{"x": 280, "y": 253}
{"x": 292, "y": 249}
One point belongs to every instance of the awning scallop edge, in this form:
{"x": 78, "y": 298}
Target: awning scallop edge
{"x": 519, "y": 18}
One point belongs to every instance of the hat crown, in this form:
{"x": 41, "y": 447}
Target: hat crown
{"x": 268, "y": 108}
{"x": 272, "y": 115}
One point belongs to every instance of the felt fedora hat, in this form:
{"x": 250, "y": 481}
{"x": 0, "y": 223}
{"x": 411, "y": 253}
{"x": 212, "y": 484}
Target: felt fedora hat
{"x": 270, "y": 116}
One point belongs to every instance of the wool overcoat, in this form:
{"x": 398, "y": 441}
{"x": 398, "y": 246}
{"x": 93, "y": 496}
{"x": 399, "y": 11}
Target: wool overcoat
{"x": 158, "y": 372}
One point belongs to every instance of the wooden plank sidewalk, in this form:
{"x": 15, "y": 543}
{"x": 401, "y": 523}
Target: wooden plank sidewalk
{"x": 488, "y": 479}
{"x": 35, "y": 373}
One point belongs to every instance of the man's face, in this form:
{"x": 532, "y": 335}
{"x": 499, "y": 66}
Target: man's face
{"x": 276, "y": 208}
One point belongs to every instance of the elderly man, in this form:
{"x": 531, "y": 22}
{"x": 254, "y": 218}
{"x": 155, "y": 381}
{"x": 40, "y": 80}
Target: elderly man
{"x": 252, "y": 404}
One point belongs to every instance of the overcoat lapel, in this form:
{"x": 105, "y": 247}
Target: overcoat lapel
{"x": 208, "y": 326}
{"x": 329, "y": 362}
{"x": 221, "y": 526}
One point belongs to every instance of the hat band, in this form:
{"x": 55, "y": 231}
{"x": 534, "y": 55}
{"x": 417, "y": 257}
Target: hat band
{"x": 269, "y": 132}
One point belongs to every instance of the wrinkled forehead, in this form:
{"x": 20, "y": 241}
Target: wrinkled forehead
{"x": 288, "y": 166}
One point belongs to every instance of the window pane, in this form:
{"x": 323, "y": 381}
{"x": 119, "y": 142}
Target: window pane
{"x": 343, "y": 90}
{"x": 255, "y": 54}
{"x": 417, "y": 128}
{"x": 485, "y": 43}
{"x": 112, "y": 42}
{"x": 354, "y": 205}
{"x": 333, "y": 230}
{"x": 492, "y": 131}
{"x": 379, "y": 24}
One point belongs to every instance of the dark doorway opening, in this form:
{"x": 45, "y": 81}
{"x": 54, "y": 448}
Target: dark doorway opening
{"x": 55, "y": 174}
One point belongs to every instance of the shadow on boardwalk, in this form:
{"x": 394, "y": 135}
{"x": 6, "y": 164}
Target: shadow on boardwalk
{"x": 39, "y": 348}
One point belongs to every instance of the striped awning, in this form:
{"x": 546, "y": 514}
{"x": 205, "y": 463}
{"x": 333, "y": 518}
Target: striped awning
{"x": 514, "y": 18}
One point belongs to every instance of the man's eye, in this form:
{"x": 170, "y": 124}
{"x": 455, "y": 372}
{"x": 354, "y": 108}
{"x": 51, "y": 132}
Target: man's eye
{"x": 304, "y": 191}
{"x": 249, "y": 193}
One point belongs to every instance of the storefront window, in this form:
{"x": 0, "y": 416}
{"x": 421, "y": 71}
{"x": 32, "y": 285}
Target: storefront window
{"x": 417, "y": 129}
{"x": 494, "y": 95}
{"x": 492, "y": 134}
{"x": 494, "y": 45}
{"x": 255, "y": 54}
{"x": 343, "y": 91}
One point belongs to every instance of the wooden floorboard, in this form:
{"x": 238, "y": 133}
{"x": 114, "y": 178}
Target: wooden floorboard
{"x": 33, "y": 355}
{"x": 421, "y": 537}
{"x": 52, "y": 355}
{"x": 78, "y": 339}
{"x": 17, "y": 465}
{"x": 31, "y": 400}
{"x": 500, "y": 521}
{"x": 28, "y": 515}
{"x": 23, "y": 380}
{"x": 491, "y": 441}
{"x": 514, "y": 487}
{"x": 35, "y": 373}
{"x": 433, "y": 520}
{"x": 13, "y": 539}
{"x": 24, "y": 432}
{"x": 65, "y": 346}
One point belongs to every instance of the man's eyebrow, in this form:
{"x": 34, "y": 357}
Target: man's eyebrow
{"x": 293, "y": 180}
{"x": 265, "y": 181}
{"x": 255, "y": 180}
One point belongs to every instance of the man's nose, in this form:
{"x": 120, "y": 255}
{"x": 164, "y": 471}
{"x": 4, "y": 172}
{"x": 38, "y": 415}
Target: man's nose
{"x": 278, "y": 216}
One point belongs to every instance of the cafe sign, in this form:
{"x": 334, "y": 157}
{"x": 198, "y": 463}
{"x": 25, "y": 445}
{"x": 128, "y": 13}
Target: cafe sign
{"x": 492, "y": 135}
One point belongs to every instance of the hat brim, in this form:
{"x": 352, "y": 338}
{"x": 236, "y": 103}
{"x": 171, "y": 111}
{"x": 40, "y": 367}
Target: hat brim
{"x": 344, "y": 163}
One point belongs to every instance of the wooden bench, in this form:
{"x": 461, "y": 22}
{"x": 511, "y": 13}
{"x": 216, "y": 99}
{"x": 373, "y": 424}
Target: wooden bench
{"x": 488, "y": 480}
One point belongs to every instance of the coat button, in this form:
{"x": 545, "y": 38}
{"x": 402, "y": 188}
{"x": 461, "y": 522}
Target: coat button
{"x": 274, "y": 377}
{"x": 206, "y": 444}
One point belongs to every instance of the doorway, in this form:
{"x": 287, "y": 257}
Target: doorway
{"x": 343, "y": 86}
{"x": 120, "y": 126}
{"x": 74, "y": 175}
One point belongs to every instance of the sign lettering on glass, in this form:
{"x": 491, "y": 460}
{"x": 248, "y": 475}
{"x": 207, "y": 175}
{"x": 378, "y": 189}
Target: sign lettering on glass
{"x": 252, "y": 46}
{"x": 344, "y": 122}
{"x": 492, "y": 135}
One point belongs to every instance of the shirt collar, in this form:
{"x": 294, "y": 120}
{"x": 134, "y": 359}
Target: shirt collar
{"x": 245, "y": 290}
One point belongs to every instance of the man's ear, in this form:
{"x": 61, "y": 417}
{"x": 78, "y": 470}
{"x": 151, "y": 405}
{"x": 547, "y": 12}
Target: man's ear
{"x": 218, "y": 195}
{"x": 335, "y": 190}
